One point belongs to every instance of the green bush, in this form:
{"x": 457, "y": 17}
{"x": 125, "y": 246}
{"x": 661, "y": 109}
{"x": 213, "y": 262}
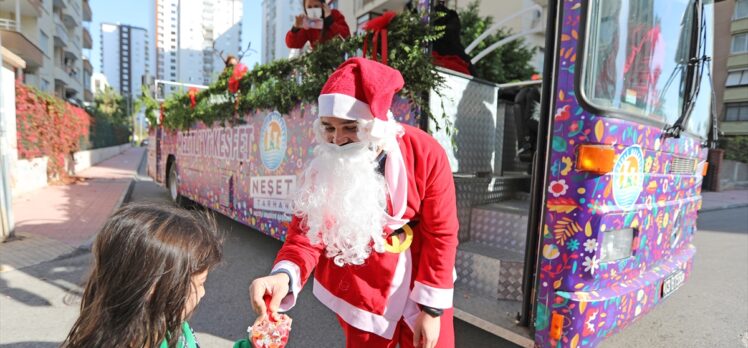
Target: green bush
{"x": 736, "y": 148}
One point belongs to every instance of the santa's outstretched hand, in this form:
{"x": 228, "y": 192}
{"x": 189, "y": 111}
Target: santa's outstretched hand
{"x": 275, "y": 286}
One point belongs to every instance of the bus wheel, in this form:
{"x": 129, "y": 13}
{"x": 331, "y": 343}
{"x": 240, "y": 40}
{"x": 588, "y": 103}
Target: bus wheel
{"x": 171, "y": 184}
{"x": 171, "y": 181}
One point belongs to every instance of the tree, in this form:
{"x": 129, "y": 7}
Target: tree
{"x": 111, "y": 124}
{"x": 109, "y": 104}
{"x": 510, "y": 62}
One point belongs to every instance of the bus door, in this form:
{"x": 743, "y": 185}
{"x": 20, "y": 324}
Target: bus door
{"x": 617, "y": 185}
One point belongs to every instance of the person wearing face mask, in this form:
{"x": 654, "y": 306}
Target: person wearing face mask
{"x": 375, "y": 218}
{"x": 305, "y": 29}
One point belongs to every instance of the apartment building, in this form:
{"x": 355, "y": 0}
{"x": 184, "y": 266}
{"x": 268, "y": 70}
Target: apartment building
{"x": 125, "y": 59}
{"x": 51, "y": 36}
{"x": 191, "y": 36}
{"x": 98, "y": 83}
{"x": 730, "y": 66}
{"x": 277, "y": 19}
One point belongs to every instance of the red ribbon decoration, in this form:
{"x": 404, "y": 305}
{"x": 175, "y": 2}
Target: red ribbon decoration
{"x": 193, "y": 95}
{"x": 379, "y": 28}
{"x": 236, "y": 76}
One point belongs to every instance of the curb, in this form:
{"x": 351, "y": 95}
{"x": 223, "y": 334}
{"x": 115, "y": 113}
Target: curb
{"x": 724, "y": 207}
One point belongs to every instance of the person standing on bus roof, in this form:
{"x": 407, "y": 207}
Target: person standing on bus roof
{"x": 230, "y": 62}
{"x": 376, "y": 215}
{"x": 317, "y": 24}
{"x": 448, "y": 51}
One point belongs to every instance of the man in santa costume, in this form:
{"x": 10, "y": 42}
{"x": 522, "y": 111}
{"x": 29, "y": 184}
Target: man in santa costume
{"x": 375, "y": 214}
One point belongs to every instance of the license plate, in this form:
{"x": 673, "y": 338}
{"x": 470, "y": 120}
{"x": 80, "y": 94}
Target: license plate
{"x": 673, "y": 282}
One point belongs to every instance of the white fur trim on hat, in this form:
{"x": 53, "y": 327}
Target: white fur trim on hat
{"x": 343, "y": 106}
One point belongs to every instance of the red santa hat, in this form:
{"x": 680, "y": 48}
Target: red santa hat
{"x": 360, "y": 89}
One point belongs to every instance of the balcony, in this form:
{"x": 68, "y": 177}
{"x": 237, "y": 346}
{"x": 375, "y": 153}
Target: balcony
{"x": 68, "y": 79}
{"x": 69, "y": 20}
{"x": 87, "y": 67}
{"x": 60, "y": 88}
{"x": 29, "y": 8}
{"x": 86, "y": 11}
{"x": 61, "y": 76}
{"x": 87, "y": 41}
{"x": 20, "y": 45}
{"x": 74, "y": 86}
{"x": 61, "y": 34}
{"x": 72, "y": 53}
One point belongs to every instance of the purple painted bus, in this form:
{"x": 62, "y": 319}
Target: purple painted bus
{"x": 565, "y": 239}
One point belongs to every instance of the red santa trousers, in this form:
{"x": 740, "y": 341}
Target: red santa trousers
{"x": 355, "y": 338}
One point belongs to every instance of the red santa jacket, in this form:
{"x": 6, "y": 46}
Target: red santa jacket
{"x": 388, "y": 286}
{"x": 298, "y": 38}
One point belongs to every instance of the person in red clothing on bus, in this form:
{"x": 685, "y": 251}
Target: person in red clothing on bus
{"x": 318, "y": 24}
{"x": 448, "y": 51}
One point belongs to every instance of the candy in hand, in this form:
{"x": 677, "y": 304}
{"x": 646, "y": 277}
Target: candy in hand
{"x": 270, "y": 333}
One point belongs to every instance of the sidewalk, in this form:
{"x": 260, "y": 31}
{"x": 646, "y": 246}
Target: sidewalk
{"x": 56, "y": 220}
{"x": 711, "y": 201}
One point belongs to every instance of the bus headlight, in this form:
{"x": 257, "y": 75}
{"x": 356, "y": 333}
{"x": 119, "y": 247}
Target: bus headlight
{"x": 616, "y": 244}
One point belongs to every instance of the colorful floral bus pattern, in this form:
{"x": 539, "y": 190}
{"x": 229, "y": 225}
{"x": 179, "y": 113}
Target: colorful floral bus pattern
{"x": 642, "y": 193}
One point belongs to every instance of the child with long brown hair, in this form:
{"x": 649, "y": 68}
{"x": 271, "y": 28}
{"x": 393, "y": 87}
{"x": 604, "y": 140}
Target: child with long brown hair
{"x": 150, "y": 263}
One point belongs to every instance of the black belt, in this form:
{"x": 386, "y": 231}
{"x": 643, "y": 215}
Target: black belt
{"x": 400, "y": 230}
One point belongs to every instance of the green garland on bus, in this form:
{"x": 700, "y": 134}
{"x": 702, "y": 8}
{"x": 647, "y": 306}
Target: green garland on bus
{"x": 282, "y": 84}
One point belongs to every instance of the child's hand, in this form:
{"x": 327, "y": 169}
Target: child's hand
{"x": 276, "y": 287}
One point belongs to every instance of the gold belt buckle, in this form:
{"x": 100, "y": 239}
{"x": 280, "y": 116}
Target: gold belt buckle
{"x": 398, "y": 247}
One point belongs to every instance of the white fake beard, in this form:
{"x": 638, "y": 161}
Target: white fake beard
{"x": 342, "y": 201}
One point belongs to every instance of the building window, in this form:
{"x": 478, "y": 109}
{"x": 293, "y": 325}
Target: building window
{"x": 736, "y": 111}
{"x": 737, "y": 78}
{"x": 741, "y": 9}
{"x": 739, "y": 43}
{"x": 45, "y": 85}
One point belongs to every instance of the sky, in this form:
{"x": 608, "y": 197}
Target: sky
{"x": 136, "y": 13}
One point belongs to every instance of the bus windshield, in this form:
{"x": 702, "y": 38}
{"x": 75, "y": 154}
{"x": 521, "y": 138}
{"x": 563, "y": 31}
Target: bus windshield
{"x": 637, "y": 55}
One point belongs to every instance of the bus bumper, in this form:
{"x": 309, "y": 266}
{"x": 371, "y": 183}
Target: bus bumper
{"x": 605, "y": 311}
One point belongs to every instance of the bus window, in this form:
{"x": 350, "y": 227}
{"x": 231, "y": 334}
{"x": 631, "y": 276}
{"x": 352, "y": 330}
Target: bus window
{"x": 636, "y": 57}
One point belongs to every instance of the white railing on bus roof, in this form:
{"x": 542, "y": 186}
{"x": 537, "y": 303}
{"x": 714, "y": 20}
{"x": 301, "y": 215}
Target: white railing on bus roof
{"x": 496, "y": 26}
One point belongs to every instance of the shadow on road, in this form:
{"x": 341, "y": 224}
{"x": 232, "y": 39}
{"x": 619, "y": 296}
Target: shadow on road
{"x": 23, "y": 296}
